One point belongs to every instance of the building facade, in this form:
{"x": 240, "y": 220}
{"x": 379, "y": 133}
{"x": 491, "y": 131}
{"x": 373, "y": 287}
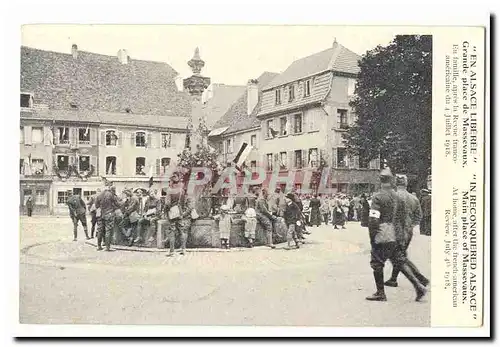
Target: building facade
{"x": 80, "y": 110}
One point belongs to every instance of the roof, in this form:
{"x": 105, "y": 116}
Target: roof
{"x": 100, "y": 82}
{"x": 103, "y": 117}
{"x": 237, "y": 118}
{"x": 217, "y": 131}
{"x": 222, "y": 97}
{"x": 337, "y": 58}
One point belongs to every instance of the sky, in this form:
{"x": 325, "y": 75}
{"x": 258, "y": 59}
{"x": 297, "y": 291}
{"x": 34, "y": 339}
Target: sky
{"x": 233, "y": 54}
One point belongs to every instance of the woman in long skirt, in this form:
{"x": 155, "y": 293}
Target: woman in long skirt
{"x": 315, "y": 212}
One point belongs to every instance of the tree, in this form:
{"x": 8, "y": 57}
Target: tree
{"x": 393, "y": 105}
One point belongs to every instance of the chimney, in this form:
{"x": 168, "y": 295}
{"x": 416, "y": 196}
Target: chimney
{"x": 123, "y": 56}
{"x": 252, "y": 95}
{"x": 74, "y": 51}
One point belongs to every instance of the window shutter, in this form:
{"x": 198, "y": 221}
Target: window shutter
{"x": 93, "y": 162}
{"x": 27, "y": 134}
{"x": 93, "y": 136}
{"x": 132, "y": 139}
{"x": 57, "y": 134}
{"x": 103, "y": 138}
{"x": 305, "y": 163}
{"x": 334, "y": 157}
{"x": 158, "y": 167}
{"x": 276, "y": 164}
{"x": 119, "y": 169}
{"x": 73, "y": 136}
{"x": 291, "y": 161}
{"x": 351, "y": 160}
{"x": 119, "y": 140}
{"x": 46, "y": 136}
{"x": 264, "y": 161}
{"x": 149, "y": 143}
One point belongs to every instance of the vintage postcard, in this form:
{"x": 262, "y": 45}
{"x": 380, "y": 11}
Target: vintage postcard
{"x": 250, "y": 175}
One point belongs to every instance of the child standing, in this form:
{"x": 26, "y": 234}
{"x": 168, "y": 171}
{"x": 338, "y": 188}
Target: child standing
{"x": 250, "y": 218}
{"x": 225, "y": 220}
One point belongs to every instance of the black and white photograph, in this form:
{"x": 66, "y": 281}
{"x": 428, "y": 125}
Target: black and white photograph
{"x": 228, "y": 175}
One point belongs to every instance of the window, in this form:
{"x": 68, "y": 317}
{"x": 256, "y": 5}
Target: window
{"x": 270, "y": 131}
{"x": 307, "y": 88}
{"x": 64, "y": 135}
{"x": 269, "y": 161}
{"x": 26, "y": 100}
{"x": 229, "y": 146}
{"x": 62, "y": 197}
{"x": 298, "y": 159}
{"x": 84, "y": 163}
{"x": 37, "y": 135}
{"x": 140, "y": 139}
{"x": 63, "y": 162}
{"x": 40, "y": 197}
{"x": 278, "y": 96}
{"x": 297, "y": 124}
{"x": 37, "y": 166}
{"x": 341, "y": 157}
{"x": 364, "y": 162}
{"x": 110, "y": 165}
{"x": 166, "y": 140}
{"x": 253, "y": 141}
{"x": 283, "y": 161}
{"x": 342, "y": 118}
{"x": 165, "y": 163}
{"x": 87, "y": 194}
{"x": 21, "y": 166}
{"x": 84, "y": 136}
{"x": 291, "y": 93}
{"x": 253, "y": 165}
{"x": 140, "y": 166}
{"x": 313, "y": 157}
{"x": 283, "y": 126}
{"x": 21, "y": 135}
{"x": 111, "y": 138}
{"x": 351, "y": 86}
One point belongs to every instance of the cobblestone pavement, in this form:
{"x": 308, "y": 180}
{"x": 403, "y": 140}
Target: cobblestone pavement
{"x": 322, "y": 284}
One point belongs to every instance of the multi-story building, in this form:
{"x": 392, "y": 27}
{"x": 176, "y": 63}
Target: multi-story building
{"x": 68, "y": 104}
{"x": 304, "y": 113}
{"x": 295, "y": 121}
{"x": 240, "y": 124}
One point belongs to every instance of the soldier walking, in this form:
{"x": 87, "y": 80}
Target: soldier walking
{"x": 106, "y": 203}
{"x": 387, "y": 220}
{"x": 77, "y": 212}
{"x": 413, "y": 217}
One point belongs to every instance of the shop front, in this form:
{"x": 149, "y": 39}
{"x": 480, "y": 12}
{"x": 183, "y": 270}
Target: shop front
{"x": 39, "y": 190}
{"x": 61, "y": 190}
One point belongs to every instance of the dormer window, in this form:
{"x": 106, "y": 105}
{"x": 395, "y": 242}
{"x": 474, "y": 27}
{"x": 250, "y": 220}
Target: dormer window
{"x": 307, "y": 88}
{"x": 73, "y": 106}
{"x": 26, "y": 100}
{"x": 278, "y": 96}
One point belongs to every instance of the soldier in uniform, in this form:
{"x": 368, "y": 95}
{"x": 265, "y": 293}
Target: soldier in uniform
{"x": 386, "y": 227}
{"x": 178, "y": 207}
{"x": 151, "y": 215}
{"x": 265, "y": 217}
{"x": 106, "y": 203}
{"x": 413, "y": 217}
{"x": 77, "y": 212}
{"x": 92, "y": 209}
{"x": 131, "y": 215}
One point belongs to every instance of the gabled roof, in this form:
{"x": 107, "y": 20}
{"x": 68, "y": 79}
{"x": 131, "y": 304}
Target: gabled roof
{"x": 237, "y": 118}
{"x": 99, "y": 82}
{"x": 337, "y": 58}
{"x": 222, "y": 97}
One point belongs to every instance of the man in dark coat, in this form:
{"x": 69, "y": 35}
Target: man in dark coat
{"x": 365, "y": 210}
{"x": 293, "y": 220}
{"x": 131, "y": 215}
{"x": 106, "y": 203}
{"x": 77, "y": 212}
{"x": 29, "y": 205}
{"x": 386, "y": 228}
{"x": 264, "y": 217}
{"x": 413, "y": 217}
{"x": 315, "y": 204}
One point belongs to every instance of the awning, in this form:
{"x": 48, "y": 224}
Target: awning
{"x": 217, "y": 131}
